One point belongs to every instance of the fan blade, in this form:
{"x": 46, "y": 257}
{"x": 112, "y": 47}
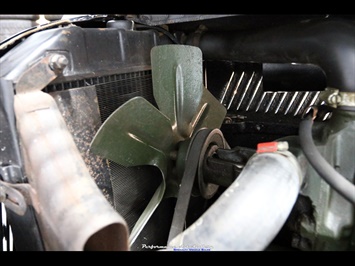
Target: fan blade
{"x": 137, "y": 133}
{"x": 211, "y": 112}
{"x": 147, "y": 213}
{"x": 177, "y": 84}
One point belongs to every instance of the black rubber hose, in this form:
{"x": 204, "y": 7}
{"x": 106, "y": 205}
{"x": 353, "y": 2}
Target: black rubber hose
{"x": 339, "y": 183}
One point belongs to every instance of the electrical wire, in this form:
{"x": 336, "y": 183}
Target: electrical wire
{"x": 11, "y": 40}
{"x": 160, "y": 29}
{"x": 338, "y": 182}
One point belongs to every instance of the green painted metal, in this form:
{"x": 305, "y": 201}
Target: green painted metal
{"x": 336, "y": 142}
{"x": 138, "y": 133}
{"x": 212, "y": 112}
{"x": 135, "y": 134}
{"x": 177, "y": 84}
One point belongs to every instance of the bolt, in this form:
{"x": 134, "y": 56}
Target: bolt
{"x": 227, "y": 120}
{"x": 334, "y": 99}
{"x": 58, "y": 62}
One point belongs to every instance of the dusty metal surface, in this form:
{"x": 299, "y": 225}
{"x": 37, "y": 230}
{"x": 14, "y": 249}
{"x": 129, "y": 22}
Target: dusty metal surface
{"x": 37, "y": 76}
{"x": 80, "y": 111}
{"x": 72, "y": 213}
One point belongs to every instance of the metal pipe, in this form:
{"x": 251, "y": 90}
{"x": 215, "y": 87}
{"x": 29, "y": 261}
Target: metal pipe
{"x": 250, "y": 213}
{"x": 72, "y": 212}
{"x": 328, "y": 43}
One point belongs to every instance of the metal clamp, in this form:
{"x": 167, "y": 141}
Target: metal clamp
{"x": 335, "y": 98}
{"x": 16, "y": 197}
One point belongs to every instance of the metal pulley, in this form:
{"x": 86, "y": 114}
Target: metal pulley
{"x": 209, "y": 163}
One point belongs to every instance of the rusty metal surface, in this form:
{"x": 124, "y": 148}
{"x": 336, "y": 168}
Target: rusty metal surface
{"x": 72, "y": 212}
{"x": 37, "y": 76}
{"x": 79, "y": 108}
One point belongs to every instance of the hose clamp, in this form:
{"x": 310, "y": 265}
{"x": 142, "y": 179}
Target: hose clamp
{"x": 335, "y": 98}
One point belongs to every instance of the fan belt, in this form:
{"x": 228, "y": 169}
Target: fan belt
{"x": 197, "y": 148}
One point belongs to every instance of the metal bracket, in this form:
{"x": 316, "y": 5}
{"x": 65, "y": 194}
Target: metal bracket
{"x": 41, "y": 73}
{"x": 334, "y": 98}
{"x": 16, "y": 197}
{"x": 11, "y": 173}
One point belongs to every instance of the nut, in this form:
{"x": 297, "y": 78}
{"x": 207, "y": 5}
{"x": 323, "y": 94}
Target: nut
{"x": 58, "y": 62}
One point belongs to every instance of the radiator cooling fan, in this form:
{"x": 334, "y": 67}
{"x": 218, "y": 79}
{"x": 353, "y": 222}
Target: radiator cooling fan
{"x": 138, "y": 133}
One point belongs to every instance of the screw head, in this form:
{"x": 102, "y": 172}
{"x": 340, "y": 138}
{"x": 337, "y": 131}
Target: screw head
{"x": 58, "y": 62}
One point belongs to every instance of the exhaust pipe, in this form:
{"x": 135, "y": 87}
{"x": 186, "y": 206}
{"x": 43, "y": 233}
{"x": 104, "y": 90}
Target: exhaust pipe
{"x": 72, "y": 212}
{"x": 256, "y": 205}
{"x": 329, "y": 44}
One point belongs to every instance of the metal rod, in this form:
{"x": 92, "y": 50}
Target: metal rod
{"x": 281, "y": 101}
{"x": 236, "y": 89}
{"x": 246, "y": 90}
{"x": 254, "y": 93}
{"x": 226, "y": 89}
{"x": 292, "y": 101}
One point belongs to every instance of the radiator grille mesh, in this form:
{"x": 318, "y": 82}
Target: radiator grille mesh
{"x": 113, "y": 94}
{"x": 132, "y": 188}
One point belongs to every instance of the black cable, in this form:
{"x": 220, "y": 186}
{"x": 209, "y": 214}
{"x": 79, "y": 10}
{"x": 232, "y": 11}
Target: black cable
{"x": 160, "y": 29}
{"x": 339, "y": 183}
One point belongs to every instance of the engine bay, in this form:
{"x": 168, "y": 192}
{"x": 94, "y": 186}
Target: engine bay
{"x": 143, "y": 132}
